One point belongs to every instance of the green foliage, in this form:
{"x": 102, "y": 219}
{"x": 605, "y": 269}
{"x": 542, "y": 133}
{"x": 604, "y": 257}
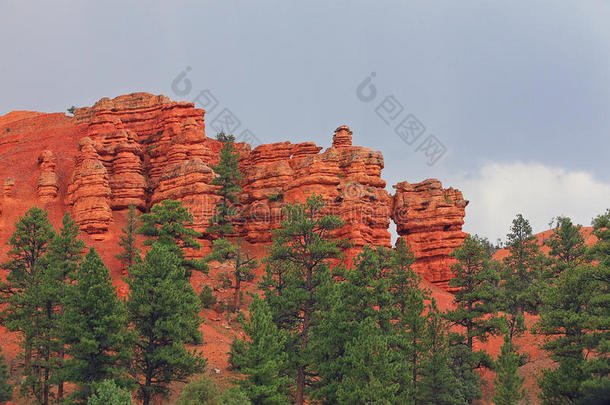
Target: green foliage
{"x": 167, "y": 225}
{"x": 71, "y": 110}
{"x": 508, "y": 384}
{"x": 200, "y": 391}
{"x": 6, "y": 388}
{"x": 127, "y": 241}
{"x": 227, "y": 178}
{"x": 94, "y": 325}
{"x": 476, "y": 279}
{"x": 439, "y": 383}
{"x": 521, "y": 276}
{"x": 243, "y": 266}
{"x": 370, "y": 343}
{"x": 575, "y": 317}
{"x": 298, "y": 276}
{"x": 275, "y": 197}
{"x": 164, "y": 311}
{"x": 262, "y": 358}
{"x": 222, "y": 137}
{"x": 27, "y": 293}
{"x": 207, "y": 297}
{"x": 567, "y": 246}
{"x": 108, "y": 393}
{"x": 203, "y": 391}
{"x": 234, "y": 396}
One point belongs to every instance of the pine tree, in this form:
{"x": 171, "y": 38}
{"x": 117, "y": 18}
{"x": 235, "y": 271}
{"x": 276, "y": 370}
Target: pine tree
{"x": 26, "y": 294}
{"x": 567, "y": 246}
{"x": 6, "y": 388}
{"x": 520, "y": 283}
{"x": 227, "y": 178}
{"x": 356, "y": 314}
{"x": 262, "y": 358}
{"x": 61, "y": 262}
{"x": 574, "y": 317}
{"x": 508, "y": 384}
{"x": 297, "y": 275}
{"x": 167, "y": 224}
{"x": 108, "y": 393}
{"x": 438, "y": 384}
{"x": 164, "y": 312}
{"x": 410, "y": 303}
{"x": 476, "y": 280}
{"x": 243, "y": 265}
{"x": 94, "y": 325}
{"x": 127, "y": 241}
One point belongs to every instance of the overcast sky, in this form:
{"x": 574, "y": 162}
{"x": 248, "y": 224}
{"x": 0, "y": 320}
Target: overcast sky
{"x": 517, "y": 93}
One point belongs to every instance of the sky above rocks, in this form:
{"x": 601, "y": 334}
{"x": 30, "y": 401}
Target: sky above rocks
{"x": 507, "y": 101}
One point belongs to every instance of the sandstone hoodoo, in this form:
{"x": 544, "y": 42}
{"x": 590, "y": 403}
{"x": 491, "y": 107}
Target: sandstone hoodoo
{"x": 430, "y": 218}
{"x": 47, "y": 180}
{"x": 141, "y": 149}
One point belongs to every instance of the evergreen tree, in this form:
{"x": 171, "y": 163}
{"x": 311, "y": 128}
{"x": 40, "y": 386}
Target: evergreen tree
{"x": 94, "y": 325}
{"x": 167, "y": 224}
{"x": 476, "y": 280}
{"x": 61, "y": 262}
{"x": 370, "y": 342}
{"x": 6, "y": 388}
{"x": 262, "y": 358}
{"x": 521, "y": 276}
{"x": 575, "y": 318}
{"x": 438, "y": 384}
{"x": 164, "y": 311}
{"x": 108, "y": 393}
{"x": 227, "y": 178}
{"x": 355, "y": 317}
{"x": 297, "y": 276}
{"x": 243, "y": 265}
{"x": 567, "y": 246}
{"x": 26, "y": 293}
{"x": 409, "y": 300}
{"x": 127, "y": 241}
{"x": 508, "y": 384}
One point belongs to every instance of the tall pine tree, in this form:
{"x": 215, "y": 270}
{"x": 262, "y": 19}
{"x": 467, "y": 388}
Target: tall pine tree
{"x": 127, "y": 241}
{"x": 168, "y": 224}
{"x": 26, "y": 294}
{"x": 521, "y": 278}
{"x": 262, "y": 358}
{"x": 164, "y": 312}
{"x": 298, "y": 273}
{"x": 94, "y": 325}
{"x": 508, "y": 384}
{"x": 575, "y": 319}
{"x": 227, "y": 178}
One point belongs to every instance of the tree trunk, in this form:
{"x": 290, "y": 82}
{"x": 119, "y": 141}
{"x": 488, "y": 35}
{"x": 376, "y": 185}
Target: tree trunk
{"x": 45, "y": 387}
{"x": 60, "y": 386}
{"x": 300, "y": 397}
{"x": 236, "y": 293}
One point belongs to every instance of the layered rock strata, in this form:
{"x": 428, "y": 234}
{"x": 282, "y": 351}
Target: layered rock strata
{"x": 430, "y": 218}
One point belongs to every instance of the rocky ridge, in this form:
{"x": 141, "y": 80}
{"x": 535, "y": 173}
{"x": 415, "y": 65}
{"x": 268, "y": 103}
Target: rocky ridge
{"x": 142, "y": 149}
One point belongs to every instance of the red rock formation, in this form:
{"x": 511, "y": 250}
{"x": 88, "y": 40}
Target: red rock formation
{"x": 7, "y": 189}
{"x": 47, "y": 180}
{"x": 430, "y": 218}
{"x": 342, "y": 137}
{"x": 89, "y": 192}
{"x": 142, "y": 149}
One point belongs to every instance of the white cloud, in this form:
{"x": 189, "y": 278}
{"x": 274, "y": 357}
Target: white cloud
{"x": 498, "y": 192}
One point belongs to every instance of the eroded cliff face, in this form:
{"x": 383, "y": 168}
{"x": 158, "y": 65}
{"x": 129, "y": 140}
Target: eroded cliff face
{"x": 430, "y": 218}
{"x": 142, "y": 149}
